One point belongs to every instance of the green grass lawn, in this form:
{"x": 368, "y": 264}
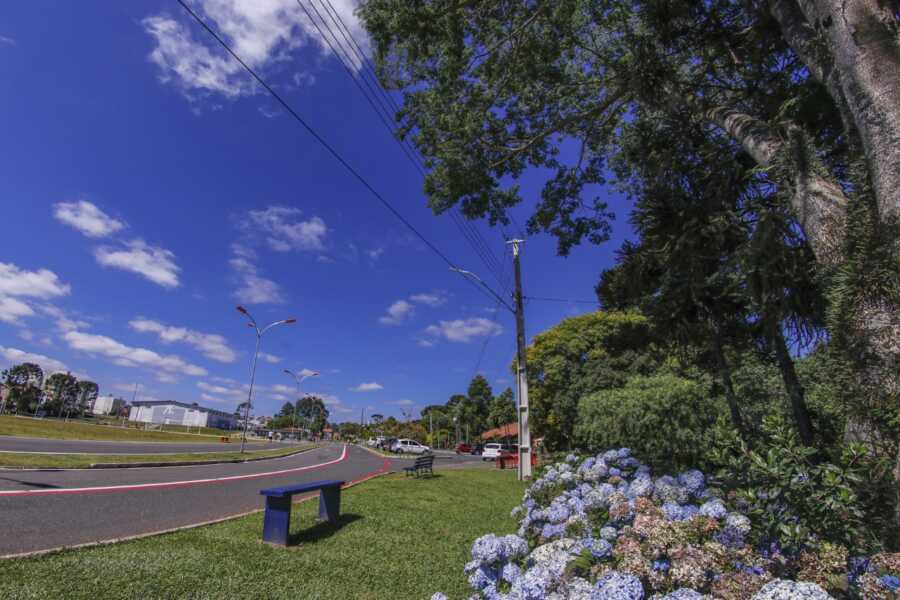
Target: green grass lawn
{"x": 59, "y": 429}
{"x": 82, "y": 461}
{"x": 399, "y": 538}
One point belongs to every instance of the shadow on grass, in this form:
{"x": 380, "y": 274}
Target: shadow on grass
{"x": 424, "y": 477}
{"x": 322, "y": 530}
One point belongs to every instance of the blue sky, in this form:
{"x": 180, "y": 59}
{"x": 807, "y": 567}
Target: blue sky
{"x": 148, "y": 187}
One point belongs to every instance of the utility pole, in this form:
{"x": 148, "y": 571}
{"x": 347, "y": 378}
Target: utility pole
{"x": 521, "y": 379}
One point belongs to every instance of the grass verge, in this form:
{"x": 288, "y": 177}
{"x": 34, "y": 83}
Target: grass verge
{"x": 84, "y": 461}
{"x": 398, "y": 538}
{"x": 60, "y": 430}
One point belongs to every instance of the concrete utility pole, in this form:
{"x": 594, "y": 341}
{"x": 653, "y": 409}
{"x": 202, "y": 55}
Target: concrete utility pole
{"x": 521, "y": 378}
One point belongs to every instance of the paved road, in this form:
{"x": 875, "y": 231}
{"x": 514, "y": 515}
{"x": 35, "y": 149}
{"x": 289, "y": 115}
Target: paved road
{"x": 46, "y": 445}
{"x": 42, "y": 509}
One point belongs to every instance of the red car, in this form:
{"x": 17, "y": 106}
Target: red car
{"x": 463, "y": 448}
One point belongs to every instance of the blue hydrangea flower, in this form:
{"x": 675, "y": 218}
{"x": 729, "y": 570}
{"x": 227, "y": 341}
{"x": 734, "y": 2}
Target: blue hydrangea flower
{"x": 891, "y": 582}
{"x": 533, "y": 584}
{"x": 599, "y": 548}
{"x": 510, "y": 572}
{"x": 739, "y": 522}
{"x": 781, "y": 589}
{"x": 571, "y": 458}
{"x": 684, "y": 594}
{"x": 623, "y": 452}
{"x": 714, "y": 508}
{"x": 482, "y": 577}
{"x": 693, "y": 480}
{"x": 609, "y": 533}
{"x": 615, "y": 472}
{"x": 729, "y": 537}
{"x": 619, "y": 586}
{"x": 551, "y": 531}
{"x": 661, "y": 565}
{"x": 667, "y": 489}
{"x": 610, "y": 456}
{"x": 438, "y": 596}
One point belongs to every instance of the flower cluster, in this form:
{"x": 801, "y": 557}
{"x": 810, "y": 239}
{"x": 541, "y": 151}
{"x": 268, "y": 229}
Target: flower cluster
{"x": 603, "y": 528}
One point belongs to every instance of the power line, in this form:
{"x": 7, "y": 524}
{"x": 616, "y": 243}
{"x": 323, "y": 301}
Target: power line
{"x": 467, "y": 229}
{"x": 318, "y": 137}
{"x": 561, "y": 300}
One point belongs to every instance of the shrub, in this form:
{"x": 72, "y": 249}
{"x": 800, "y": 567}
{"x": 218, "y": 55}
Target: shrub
{"x": 662, "y": 417}
{"x": 790, "y": 494}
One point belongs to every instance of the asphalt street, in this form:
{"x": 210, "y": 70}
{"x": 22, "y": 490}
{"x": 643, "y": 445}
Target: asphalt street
{"x": 45, "y": 445}
{"x": 44, "y": 509}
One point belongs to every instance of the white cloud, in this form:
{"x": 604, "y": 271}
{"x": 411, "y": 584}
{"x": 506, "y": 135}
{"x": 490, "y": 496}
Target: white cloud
{"x": 424, "y": 343}
{"x": 164, "y": 377}
{"x": 11, "y": 309}
{"x": 433, "y": 299}
{"x": 233, "y": 390}
{"x": 262, "y": 33}
{"x": 367, "y": 387}
{"x": 47, "y": 364}
{"x": 279, "y": 397}
{"x": 211, "y": 345}
{"x": 308, "y": 372}
{"x": 86, "y": 218}
{"x": 152, "y": 262}
{"x": 375, "y": 253}
{"x": 270, "y": 358}
{"x": 464, "y": 330}
{"x": 397, "y": 312}
{"x": 211, "y": 398}
{"x": 127, "y": 356}
{"x": 128, "y": 387}
{"x": 284, "y": 231}
{"x": 402, "y": 402}
{"x": 25, "y": 334}
{"x": 33, "y": 284}
{"x": 63, "y": 321}
{"x": 254, "y": 289}
{"x": 7, "y": 40}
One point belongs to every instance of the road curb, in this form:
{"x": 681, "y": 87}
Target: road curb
{"x": 385, "y": 470}
{"x": 191, "y": 463}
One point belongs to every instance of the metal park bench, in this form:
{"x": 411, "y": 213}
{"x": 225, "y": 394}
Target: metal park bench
{"x": 277, "y": 520}
{"x": 422, "y": 465}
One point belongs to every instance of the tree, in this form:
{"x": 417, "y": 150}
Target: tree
{"x": 287, "y": 410}
{"x": 577, "y": 357}
{"x": 87, "y": 395}
{"x": 503, "y": 409}
{"x": 807, "y": 91}
{"x": 376, "y": 419}
{"x": 23, "y": 382}
{"x": 481, "y": 396}
{"x": 313, "y": 412}
{"x": 62, "y": 393}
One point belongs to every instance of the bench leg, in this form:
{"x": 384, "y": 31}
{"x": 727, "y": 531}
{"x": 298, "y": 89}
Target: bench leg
{"x": 277, "y": 520}
{"x": 330, "y": 504}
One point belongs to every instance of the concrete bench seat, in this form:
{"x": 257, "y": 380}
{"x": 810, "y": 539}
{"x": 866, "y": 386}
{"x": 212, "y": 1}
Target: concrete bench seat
{"x": 277, "y": 520}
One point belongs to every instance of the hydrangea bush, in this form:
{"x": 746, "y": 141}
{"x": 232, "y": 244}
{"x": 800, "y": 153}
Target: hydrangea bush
{"x": 604, "y": 528}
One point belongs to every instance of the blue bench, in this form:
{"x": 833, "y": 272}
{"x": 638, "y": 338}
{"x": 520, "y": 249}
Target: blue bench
{"x": 277, "y": 519}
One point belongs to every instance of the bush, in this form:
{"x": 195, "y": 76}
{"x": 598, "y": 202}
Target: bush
{"x": 792, "y": 495}
{"x": 662, "y": 417}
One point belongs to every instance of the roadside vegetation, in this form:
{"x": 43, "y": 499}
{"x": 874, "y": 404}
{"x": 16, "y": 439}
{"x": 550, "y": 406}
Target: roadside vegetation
{"x": 84, "y": 461}
{"x": 61, "y": 430}
{"x": 400, "y": 538}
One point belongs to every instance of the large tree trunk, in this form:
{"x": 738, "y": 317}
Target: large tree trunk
{"x": 819, "y": 204}
{"x": 862, "y": 36}
{"x": 792, "y": 383}
{"x": 725, "y": 376}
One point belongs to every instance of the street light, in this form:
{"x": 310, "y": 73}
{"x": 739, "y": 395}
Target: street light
{"x": 299, "y": 377}
{"x": 259, "y": 334}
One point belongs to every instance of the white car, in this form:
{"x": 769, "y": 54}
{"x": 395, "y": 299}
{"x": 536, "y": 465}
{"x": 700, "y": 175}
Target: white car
{"x": 405, "y": 446}
{"x": 493, "y": 451}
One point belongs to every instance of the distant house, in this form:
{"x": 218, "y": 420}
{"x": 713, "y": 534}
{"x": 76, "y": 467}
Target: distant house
{"x": 167, "y": 412}
{"x": 104, "y": 405}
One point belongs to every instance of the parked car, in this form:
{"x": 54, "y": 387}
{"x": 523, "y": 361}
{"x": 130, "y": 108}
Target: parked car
{"x": 405, "y": 446}
{"x": 463, "y": 448}
{"x": 493, "y": 450}
{"x": 476, "y": 449}
{"x": 388, "y": 444}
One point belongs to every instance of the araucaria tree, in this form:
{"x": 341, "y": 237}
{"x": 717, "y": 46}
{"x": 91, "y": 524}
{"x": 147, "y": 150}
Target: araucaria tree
{"x": 807, "y": 91}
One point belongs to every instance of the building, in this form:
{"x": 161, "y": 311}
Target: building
{"x": 106, "y": 405}
{"x": 167, "y": 412}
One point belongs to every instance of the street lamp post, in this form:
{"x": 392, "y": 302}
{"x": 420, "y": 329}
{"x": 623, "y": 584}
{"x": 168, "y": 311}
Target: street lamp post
{"x": 259, "y": 334}
{"x": 299, "y": 377}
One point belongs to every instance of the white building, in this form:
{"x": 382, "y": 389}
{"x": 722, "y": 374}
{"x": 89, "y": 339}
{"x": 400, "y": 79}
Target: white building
{"x": 103, "y": 405}
{"x": 165, "y": 412}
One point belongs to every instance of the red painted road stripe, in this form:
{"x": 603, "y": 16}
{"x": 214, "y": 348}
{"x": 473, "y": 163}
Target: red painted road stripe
{"x": 167, "y": 484}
